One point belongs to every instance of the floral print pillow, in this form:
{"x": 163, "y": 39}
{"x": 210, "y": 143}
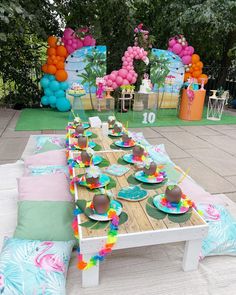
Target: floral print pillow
{"x": 34, "y": 267}
{"x": 46, "y": 143}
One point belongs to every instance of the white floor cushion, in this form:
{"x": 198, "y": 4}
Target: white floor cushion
{"x": 9, "y": 173}
{"x": 8, "y": 213}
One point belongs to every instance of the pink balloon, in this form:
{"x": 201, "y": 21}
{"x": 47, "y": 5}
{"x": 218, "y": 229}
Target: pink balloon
{"x": 123, "y": 58}
{"x": 87, "y": 40}
{"x": 171, "y": 42}
{"x": 119, "y": 80}
{"x": 126, "y": 54}
{"x": 125, "y": 82}
{"x": 112, "y": 77}
{"x": 128, "y": 68}
{"x": 186, "y": 59}
{"x": 68, "y": 33}
{"x": 129, "y": 77}
{"x": 70, "y": 49}
{"x": 74, "y": 45}
{"x": 69, "y": 42}
{"x": 123, "y": 73}
{"x": 181, "y": 54}
{"x": 177, "y": 48}
{"x": 93, "y": 42}
{"x": 133, "y": 80}
{"x": 190, "y": 50}
{"x": 114, "y": 85}
{"x": 79, "y": 43}
{"x": 109, "y": 83}
{"x": 125, "y": 63}
{"x": 170, "y": 49}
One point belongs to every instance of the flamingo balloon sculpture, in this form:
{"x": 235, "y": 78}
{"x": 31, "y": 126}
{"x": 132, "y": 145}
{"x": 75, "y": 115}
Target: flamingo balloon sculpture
{"x": 126, "y": 75}
{"x": 49, "y": 262}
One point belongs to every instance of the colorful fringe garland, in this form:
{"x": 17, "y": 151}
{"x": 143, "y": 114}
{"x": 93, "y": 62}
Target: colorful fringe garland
{"x": 111, "y": 240}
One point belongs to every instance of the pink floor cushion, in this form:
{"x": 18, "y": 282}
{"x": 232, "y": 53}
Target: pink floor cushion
{"x": 57, "y": 157}
{"x": 34, "y": 267}
{"x": 54, "y": 187}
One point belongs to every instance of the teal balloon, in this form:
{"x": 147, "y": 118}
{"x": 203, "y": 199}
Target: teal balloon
{"x": 53, "y": 105}
{"x": 45, "y": 100}
{"x": 54, "y": 86}
{"x": 51, "y": 77}
{"x": 52, "y": 99}
{"x": 63, "y": 104}
{"x": 48, "y": 92}
{"x": 44, "y": 82}
{"x": 64, "y": 85}
{"x": 59, "y": 93}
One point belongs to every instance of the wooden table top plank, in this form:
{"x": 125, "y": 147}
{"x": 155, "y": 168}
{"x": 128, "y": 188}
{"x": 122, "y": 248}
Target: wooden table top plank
{"x": 130, "y": 225}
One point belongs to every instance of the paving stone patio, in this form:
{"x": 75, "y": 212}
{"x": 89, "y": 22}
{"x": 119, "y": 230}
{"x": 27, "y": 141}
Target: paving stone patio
{"x": 209, "y": 151}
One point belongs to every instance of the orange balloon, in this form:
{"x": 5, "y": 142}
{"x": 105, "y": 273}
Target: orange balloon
{"x": 52, "y": 69}
{"x": 61, "y": 51}
{"x": 200, "y": 64}
{"x": 45, "y": 68}
{"x": 52, "y": 41}
{"x": 196, "y": 74}
{"x": 191, "y": 70}
{"x": 187, "y": 76}
{"x": 195, "y": 58}
{"x": 62, "y": 58}
{"x": 49, "y": 61}
{"x": 203, "y": 77}
{"x": 61, "y": 75}
{"x": 60, "y": 65}
{"x": 51, "y": 51}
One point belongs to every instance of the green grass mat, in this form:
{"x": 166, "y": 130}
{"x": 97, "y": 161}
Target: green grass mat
{"x": 44, "y": 119}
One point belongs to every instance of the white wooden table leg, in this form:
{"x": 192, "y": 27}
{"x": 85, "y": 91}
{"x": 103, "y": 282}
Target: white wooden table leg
{"x": 90, "y": 277}
{"x": 191, "y": 254}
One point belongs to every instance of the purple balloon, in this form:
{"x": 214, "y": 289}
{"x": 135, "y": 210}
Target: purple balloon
{"x": 70, "y": 49}
{"x": 79, "y": 43}
{"x": 181, "y": 53}
{"x": 69, "y": 42}
{"x": 186, "y": 59}
{"x": 93, "y": 42}
{"x": 177, "y": 48}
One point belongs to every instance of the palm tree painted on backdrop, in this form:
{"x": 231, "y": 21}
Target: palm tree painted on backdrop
{"x": 159, "y": 71}
{"x": 95, "y": 67}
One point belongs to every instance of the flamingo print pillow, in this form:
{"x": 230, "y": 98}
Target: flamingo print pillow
{"x": 33, "y": 267}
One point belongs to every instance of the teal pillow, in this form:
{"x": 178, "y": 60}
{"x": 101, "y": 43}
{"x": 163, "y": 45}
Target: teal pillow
{"x": 48, "y": 169}
{"x": 45, "y": 221}
{"x": 34, "y": 267}
{"x": 48, "y": 146}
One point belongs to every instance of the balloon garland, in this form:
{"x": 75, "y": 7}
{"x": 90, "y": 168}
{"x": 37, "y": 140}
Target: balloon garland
{"x": 54, "y": 80}
{"x": 74, "y": 40}
{"x": 193, "y": 65}
{"x": 126, "y": 75}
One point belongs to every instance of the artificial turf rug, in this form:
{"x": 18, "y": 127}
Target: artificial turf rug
{"x": 49, "y": 119}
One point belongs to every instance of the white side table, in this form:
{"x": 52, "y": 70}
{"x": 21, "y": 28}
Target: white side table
{"x": 215, "y": 107}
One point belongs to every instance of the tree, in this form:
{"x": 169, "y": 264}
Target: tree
{"x": 25, "y": 26}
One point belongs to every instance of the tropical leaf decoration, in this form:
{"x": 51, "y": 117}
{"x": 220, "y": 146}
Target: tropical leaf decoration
{"x": 95, "y": 67}
{"x": 104, "y": 163}
{"x": 97, "y": 148}
{"x": 122, "y": 162}
{"x": 155, "y": 213}
{"x": 93, "y": 224}
{"x": 93, "y": 135}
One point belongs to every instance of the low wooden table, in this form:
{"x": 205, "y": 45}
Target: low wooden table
{"x": 140, "y": 229}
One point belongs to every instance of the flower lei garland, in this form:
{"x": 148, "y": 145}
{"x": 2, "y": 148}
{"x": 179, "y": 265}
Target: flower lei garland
{"x": 110, "y": 242}
{"x": 181, "y": 205}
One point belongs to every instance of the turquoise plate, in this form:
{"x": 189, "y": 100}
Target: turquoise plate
{"x": 95, "y": 160}
{"x": 141, "y": 176}
{"x": 86, "y": 125}
{"x": 103, "y": 181}
{"x": 173, "y": 208}
{"x": 104, "y": 217}
{"x": 132, "y": 193}
{"x": 129, "y": 159}
{"x": 121, "y": 144}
